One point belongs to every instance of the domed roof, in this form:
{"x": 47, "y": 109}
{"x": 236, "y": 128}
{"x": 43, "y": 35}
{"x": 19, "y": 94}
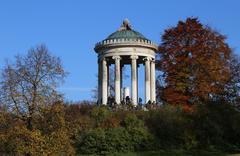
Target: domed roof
{"x": 125, "y": 36}
{"x": 126, "y": 32}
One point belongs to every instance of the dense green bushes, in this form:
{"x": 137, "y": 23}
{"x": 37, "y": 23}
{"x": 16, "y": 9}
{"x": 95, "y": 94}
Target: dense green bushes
{"x": 102, "y": 141}
{"x": 214, "y": 125}
{"x": 169, "y": 125}
{"x": 128, "y": 133}
{"x": 211, "y": 126}
{"x": 88, "y": 129}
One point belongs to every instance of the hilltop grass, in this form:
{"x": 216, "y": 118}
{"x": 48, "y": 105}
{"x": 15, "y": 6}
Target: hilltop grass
{"x": 170, "y": 153}
{"x": 173, "y": 153}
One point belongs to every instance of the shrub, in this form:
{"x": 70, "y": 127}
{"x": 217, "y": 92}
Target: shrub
{"x": 168, "y": 124}
{"x": 100, "y": 114}
{"x": 131, "y": 136}
{"x": 92, "y": 141}
{"x": 216, "y": 124}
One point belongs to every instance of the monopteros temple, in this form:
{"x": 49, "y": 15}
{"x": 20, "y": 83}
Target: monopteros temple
{"x": 123, "y": 47}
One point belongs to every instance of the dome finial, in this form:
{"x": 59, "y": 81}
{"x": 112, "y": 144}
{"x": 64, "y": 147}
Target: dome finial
{"x": 125, "y": 22}
{"x": 126, "y": 25}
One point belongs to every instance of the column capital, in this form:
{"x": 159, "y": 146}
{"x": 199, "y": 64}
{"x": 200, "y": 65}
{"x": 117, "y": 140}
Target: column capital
{"x": 153, "y": 60}
{"x": 147, "y": 58}
{"x": 116, "y": 57}
{"x": 134, "y": 57}
{"x": 102, "y": 59}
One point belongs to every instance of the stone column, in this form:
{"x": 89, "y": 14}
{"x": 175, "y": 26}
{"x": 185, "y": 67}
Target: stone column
{"x": 117, "y": 79}
{"x": 134, "y": 79}
{"x": 108, "y": 80}
{"x": 121, "y": 81}
{"x": 99, "y": 82}
{"x": 137, "y": 83}
{"x": 104, "y": 82}
{"x": 153, "y": 81}
{"x": 147, "y": 80}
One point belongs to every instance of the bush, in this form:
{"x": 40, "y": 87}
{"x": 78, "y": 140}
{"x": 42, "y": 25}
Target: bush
{"x": 20, "y": 141}
{"x": 100, "y": 114}
{"x": 212, "y": 126}
{"x": 169, "y": 125}
{"x": 139, "y": 136}
{"x": 216, "y": 125}
{"x": 92, "y": 141}
{"x": 131, "y": 136}
{"x": 119, "y": 139}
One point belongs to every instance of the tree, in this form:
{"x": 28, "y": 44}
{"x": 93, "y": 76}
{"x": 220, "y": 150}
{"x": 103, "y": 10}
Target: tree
{"x": 194, "y": 60}
{"x": 49, "y": 136}
{"x": 29, "y": 84}
{"x": 54, "y": 127}
{"x": 232, "y": 87}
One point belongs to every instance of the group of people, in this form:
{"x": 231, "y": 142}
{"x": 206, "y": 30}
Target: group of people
{"x": 127, "y": 103}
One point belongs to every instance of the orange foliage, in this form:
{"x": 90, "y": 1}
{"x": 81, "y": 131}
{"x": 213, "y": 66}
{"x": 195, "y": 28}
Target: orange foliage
{"x": 111, "y": 122}
{"x": 195, "y": 62}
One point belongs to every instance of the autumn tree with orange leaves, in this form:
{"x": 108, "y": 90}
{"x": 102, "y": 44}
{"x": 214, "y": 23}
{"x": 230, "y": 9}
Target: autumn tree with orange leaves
{"x": 194, "y": 60}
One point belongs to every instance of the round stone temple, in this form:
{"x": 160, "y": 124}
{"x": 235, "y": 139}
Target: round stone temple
{"x": 126, "y": 46}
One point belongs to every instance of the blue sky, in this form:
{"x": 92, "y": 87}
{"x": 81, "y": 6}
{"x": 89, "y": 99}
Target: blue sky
{"x": 70, "y": 29}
